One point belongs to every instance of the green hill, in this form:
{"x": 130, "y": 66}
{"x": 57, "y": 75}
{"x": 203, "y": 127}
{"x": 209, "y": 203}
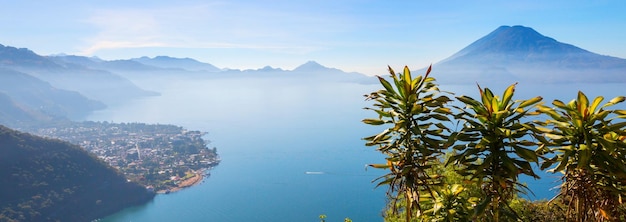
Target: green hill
{"x": 51, "y": 180}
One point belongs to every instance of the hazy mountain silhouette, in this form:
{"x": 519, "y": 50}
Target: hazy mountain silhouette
{"x": 314, "y": 69}
{"x": 11, "y": 56}
{"x": 16, "y": 115}
{"x": 313, "y": 66}
{"x": 96, "y": 84}
{"x": 99, "y": 64}
{"x": 270, "y": 69}
{"x": 75, "y": 61}
{"x": 36, "y": 96}
{"x": 518, "y": 53}
{"x": 171, "y": 67}
{"x": 177, "y": 63}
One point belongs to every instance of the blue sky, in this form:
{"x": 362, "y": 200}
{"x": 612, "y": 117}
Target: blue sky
{"x": 362, "y": 36}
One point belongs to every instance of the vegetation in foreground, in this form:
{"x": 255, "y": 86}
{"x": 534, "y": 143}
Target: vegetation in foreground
{"x": 472, "y": 174}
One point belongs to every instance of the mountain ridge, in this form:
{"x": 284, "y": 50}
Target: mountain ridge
{"x": 39, "y": 100}
{"x": 9, "y": 56}
{"x": 173, "y": 62}
{"x": 103, "y": 83}
{"x": 24, "y": 57}
{"x": 518, "y": 53}
{"x": 96, "y": 84}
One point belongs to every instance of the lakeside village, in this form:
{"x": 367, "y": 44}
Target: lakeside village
{"x": 164, "y": 158}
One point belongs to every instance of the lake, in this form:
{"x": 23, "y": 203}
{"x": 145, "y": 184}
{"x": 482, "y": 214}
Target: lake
{"x": 291, "y": 149}
{"x": 269, "y": 134}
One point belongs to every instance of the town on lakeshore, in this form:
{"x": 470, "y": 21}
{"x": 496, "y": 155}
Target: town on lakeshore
{"x": 164, "y": 158}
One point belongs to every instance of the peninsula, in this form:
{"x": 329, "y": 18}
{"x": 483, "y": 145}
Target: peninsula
{"x": 163, "y": 158}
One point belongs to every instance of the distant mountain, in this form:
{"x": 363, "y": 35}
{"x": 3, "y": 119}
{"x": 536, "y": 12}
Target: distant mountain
{"x": 75, "y": 61}
{"x": 50, "y": 180}
{"x": 269, "y": 69}
{"x": 11, "y": 56}
{"x": 177, "y": 66}
{"x": 312, "y": 66}
{"x": 33, "y": 95}
{"x": 82, "y": 62}
{"x": 177, "y": 63}
{"x": 16, "y": 115}
{"x": 110, "y": 81}
{"x": 96, "y": 84}
{"x": 139, "y": 69}
{"x": 518, "y": 53}
{"x": 312, "y": 69}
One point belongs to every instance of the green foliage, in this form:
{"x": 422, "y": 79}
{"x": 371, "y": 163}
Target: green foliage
{"x": 538, "y": 210}
{"x": 411, "y": 107}
{"x": 590, "y": 152}
{"x": 454, "y": 201}
{"x": 480, "y": 181}
{"x": 492, "y": 148}
{"x": 322, "y": 217}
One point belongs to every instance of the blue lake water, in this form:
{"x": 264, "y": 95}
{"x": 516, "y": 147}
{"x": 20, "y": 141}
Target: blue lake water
{"x": 270, "y": 133}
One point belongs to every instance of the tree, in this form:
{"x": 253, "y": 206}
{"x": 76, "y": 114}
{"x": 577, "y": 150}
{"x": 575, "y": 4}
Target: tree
{"x": 414, "y": 140}
{"x": 453, "y": 201}
{"x": 590, "y": 151}
{"x": 492, "y": 149}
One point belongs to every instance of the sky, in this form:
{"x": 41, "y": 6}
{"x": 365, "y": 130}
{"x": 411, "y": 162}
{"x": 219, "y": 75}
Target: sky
{"x": 352, "y": 35}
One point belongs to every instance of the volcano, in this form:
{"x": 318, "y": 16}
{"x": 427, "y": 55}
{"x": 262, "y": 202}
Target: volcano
{"x": 521, "y": 54}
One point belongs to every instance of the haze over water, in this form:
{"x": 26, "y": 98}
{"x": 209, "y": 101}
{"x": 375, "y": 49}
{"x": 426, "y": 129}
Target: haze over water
{"x": 291, "y": 150}
{"x": 269, "y": 134}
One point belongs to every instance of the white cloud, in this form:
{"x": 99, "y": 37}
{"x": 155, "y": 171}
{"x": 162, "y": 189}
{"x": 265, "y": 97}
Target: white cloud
{"x": 209, "y": 26}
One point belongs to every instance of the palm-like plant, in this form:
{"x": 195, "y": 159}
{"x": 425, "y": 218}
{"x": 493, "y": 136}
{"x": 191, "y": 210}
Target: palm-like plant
{"x": 414, "y": 139}
{"x": 590, "y": 152}
{"x": 492, "y": 148}
{"x": 449, "y": 204}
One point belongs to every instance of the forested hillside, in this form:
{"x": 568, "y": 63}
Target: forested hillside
{"x": 51, "y": 180}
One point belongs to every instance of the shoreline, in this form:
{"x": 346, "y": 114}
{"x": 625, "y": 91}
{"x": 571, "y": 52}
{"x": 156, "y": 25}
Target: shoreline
{"x": 195, "y": 180}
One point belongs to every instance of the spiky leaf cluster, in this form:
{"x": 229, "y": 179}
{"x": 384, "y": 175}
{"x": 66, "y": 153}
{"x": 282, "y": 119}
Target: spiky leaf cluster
{"x": 588, "y": 142}
{"x": 493, "y": 147}
{"x": 413, "y": 110}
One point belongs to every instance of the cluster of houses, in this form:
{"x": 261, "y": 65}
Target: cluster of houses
{"x": 158, "y": 156}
